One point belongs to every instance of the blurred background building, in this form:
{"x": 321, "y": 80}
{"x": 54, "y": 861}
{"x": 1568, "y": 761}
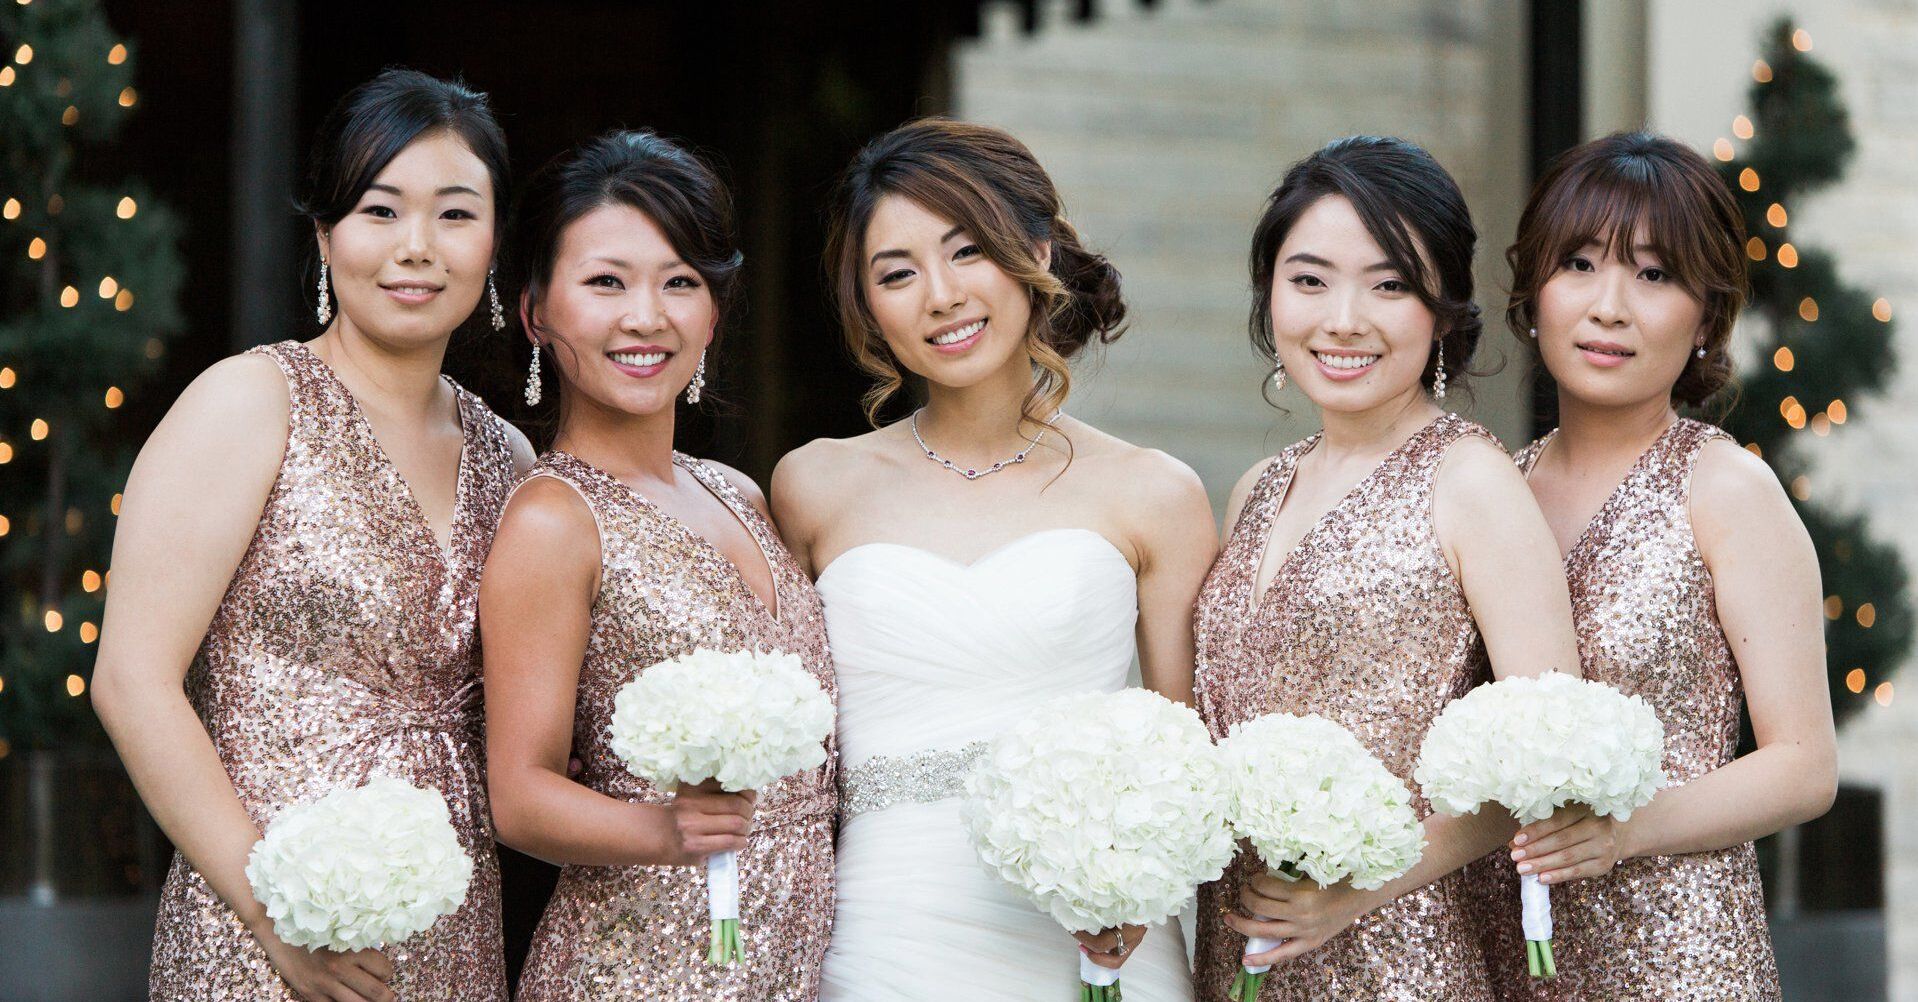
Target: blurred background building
{"x": 1165, "y": 124}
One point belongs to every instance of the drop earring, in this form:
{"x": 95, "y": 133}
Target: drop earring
{"x": 1438, "y": 373}
{"x": 499, "y": 314}
{"x": 699, "y": 380}
{"x": 324, "y": 311}
{"x": 1533, "y": 332}
{"x": 1278, "y": 375}
{"x": 1701, "y": 351}
{"x": 532, "y": 378}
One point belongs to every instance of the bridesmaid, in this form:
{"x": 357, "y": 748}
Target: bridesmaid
{"x": 1693, "y": 584}
{"x": 1364, "y": 563}
{"x": 311, "y": 620}
{"x": 616, "y": 553}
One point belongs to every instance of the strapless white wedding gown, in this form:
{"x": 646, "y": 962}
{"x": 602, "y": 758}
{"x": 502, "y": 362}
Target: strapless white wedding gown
{"x": 933, "y": 658}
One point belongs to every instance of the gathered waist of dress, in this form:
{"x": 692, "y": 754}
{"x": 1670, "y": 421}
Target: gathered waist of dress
{"x": 921, "y": 777}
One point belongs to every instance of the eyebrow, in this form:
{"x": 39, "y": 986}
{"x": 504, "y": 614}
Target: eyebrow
{"x": 955, "y": 231}
{"x": 1319, "y": 262}
{"x": 451, "y": 189}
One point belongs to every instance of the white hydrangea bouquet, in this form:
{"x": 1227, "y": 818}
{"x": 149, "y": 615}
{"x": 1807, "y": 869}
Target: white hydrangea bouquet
{"x": 1105, "y": 810}
{"x": 745, "y": 719}
{"x": 360, "y": 867}
{"x": 1533, "y": 745}
{"x": 1314, "y": 802}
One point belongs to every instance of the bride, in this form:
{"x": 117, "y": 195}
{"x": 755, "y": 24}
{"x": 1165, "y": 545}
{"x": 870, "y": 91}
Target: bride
{"x": 978, "y": 558}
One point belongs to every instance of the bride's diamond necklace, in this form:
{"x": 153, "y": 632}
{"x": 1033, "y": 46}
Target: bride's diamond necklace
{"x": 967, "y": 472}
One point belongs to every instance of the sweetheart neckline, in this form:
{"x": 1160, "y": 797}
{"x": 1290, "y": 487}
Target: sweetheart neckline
{"x": 967, "y": 565}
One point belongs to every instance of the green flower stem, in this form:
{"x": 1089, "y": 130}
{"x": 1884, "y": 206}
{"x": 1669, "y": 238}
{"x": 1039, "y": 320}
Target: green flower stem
{"x": 1245, "y": 986}
{"x": 727, "y": 948}
{"x": 1538, "y": 958}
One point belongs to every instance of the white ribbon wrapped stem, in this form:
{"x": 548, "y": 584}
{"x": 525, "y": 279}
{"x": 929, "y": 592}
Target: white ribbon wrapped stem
{"x": 1536, "y": 899}
{"x": 1094, "y": 975}
{"x": 722, "y": 885}
{"x": 1260, "y": 944}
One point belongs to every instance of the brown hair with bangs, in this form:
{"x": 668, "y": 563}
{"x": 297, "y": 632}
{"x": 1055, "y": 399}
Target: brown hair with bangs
{"x": 990, "y": 184}
{"x": 1615, "y": 191}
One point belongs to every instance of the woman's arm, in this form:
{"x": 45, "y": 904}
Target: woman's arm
{"x": 1508, "y": 564}
{"x": 536, "y": 600}
{"x": 1169, "y": 520}
{"x": 175, "y": 549}
{"x": 1765, "y": 576}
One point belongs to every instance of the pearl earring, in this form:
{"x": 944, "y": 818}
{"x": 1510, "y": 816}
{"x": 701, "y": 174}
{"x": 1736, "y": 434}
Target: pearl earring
{"x": 1278, "y": 375}
{"x": 1534, "y": 333}
{"x": 1701, "y": 351}
{"x": 532, "y": 378}
{"x": 492, "y": 294}
{"x": 325, "y": 309}
{"x": 1438, "y": 373}
{"x": 699, "y": 380}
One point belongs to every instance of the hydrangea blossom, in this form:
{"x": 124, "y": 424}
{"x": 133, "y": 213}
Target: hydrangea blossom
{"x": 1103, "y": 809}
{"x": 360, "y": 867}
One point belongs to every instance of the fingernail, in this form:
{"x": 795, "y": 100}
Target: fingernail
{"x": 1520, "y": 840}
{"x": 1545, "y": 878}
{"x": 1082, "y": 949}
{"x": 1524, "y": 867}
{"x": 1518, "y": 854}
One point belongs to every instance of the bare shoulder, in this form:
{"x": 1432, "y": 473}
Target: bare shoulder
{"x": 741, "y": 483}
{"x": 814, "y": 474}
{"x": 1150, "y": 484}
{"x": 1474, "y": 463}
{"x": 546, "y": 515}
{"x": 233, "y": 413}
{"x": 1735, "y": 494}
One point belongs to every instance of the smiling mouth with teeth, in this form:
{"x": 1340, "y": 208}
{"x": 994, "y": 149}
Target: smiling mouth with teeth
{"x": 1345, "y": 361}
{"x": 1614, "y": 352}
{"x": 956, "y": 336}
{"x": 637, "y": 359}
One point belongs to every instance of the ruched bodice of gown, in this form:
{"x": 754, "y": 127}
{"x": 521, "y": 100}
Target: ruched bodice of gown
{"x": 933, "y": 657}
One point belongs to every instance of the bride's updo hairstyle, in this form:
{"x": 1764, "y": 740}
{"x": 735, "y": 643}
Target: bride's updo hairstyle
{"x": 1612, "y": 192}
{"x": 986, "y": 181}
{"x": 1413, "y": 210}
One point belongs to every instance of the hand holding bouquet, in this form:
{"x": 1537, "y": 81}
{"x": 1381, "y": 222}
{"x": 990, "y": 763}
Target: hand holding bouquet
{"x": 1314, "y": 803}
{"x": 742, "y": 719}
{"x": 1105, "y": 810}
{"x": 360, "y": 867}
{"x": 1533, "y": 745}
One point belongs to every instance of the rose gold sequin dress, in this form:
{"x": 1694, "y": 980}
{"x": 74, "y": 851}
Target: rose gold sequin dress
{"x": 641, "y": 932}
{"x": 343, "y": 648}
{"x": 1687, "y": 928}
{"x": 1366, "y": 625}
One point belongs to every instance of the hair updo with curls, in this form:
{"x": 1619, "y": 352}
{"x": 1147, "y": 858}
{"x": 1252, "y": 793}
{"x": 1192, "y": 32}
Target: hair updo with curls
{"x": 1630, "y": 188}
{"x": 986, "y": 181}
{"x": 1413, "y": 210}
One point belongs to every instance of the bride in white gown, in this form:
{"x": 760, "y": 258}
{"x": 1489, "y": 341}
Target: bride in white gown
{"x": 976, "y": 559}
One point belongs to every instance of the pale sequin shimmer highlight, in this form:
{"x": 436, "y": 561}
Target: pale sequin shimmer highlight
{"x": 345, "y": 647}
{"x": 1365, "y": 624}
{"x": 1687, "y": 928}
{"x": 641, "y": 932}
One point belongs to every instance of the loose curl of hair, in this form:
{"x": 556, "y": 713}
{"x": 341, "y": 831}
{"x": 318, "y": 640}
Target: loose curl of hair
{"x": 1413, "y": 210}
{"x": 674, "y": 187}
{"x": 990, "y": 184}
{"x": 1639, "y": 188}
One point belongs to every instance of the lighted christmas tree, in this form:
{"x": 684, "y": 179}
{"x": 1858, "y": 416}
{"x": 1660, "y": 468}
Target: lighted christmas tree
{"x": 89, "y": 281}
{"x": 1824, "y": 345}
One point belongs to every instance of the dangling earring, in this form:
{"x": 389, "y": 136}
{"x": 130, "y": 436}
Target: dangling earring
{"x": 532, "y": 378}
{"x": 1438, "y": 374}
{"x": 1278, "y": 375}
{"x": 1701, "y": 351}
{"x": 325, "y": 309}
{"x": 499, "y": 314}
{"x": 1534, "y": 333}
{"x": 699, "y": 380}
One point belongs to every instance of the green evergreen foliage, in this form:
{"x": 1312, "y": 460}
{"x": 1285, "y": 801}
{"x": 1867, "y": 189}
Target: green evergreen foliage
{"x": 1839, "y": 340}
{"x": 90, "y": 274}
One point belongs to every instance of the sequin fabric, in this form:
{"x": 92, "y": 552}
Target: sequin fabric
{"x": 1365, "y": 624}
{"x": 1687, "y": 928}
{"x": 641, "y": 932}
{"x": 884, "y": 781}
{"x": 344, "y": 648}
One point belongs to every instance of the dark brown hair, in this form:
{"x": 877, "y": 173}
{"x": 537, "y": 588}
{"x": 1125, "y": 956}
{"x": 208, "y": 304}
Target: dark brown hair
{"x": 1415, "y": 212}
{"x": 986, "y": 181}
{"x": 1608, "y": 191}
